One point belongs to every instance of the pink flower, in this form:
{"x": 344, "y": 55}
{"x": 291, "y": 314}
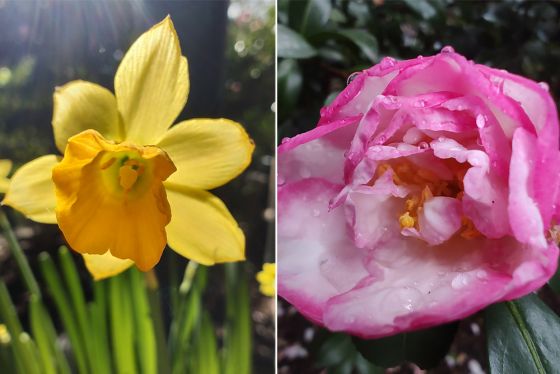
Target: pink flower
{"x": 425, "y": 193}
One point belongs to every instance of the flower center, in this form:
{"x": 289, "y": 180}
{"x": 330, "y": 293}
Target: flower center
{"x": 426, "y": 185}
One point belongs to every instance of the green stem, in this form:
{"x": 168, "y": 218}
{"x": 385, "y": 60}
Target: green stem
{"x": 19, "y": 256}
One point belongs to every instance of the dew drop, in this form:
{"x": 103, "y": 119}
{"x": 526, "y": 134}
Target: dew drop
{"x": 447, "y": 49}
{"x": 387, "y": 62}
{"x": 284, "y": 140}
{"x": 382, "y": 139}
{"x": 480, "y": 121}
{"x": 544, "y": 86}
{"x": 420, "y": 103}
{"x": 351, "y": 77}
{"x": 423, "y": 145}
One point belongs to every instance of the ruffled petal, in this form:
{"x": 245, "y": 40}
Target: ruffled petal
{"x": 201, "y": 228}
{"x": 105, "y": 265}
{"x": 79, "y": 106}
{"x": 315, "y": 261}
{"x": 104, "y": 203}
{"x": 524, "y": 214}
{"x": 31, "y": 190}
{"x": 207, "y": 152}
{"x": 152, "y": 84}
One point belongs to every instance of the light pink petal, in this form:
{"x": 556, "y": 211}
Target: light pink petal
{"x": 315, "y": 260}
{"x": 485, "y": 199}
{"x": 439, "y": 219}
{"x": 524, "y": 214}
{"x": 533, "y": 98}
{"x": 419, "y": 286}
{"x": 318, "y": 153}
{"x": 373, "y": 212}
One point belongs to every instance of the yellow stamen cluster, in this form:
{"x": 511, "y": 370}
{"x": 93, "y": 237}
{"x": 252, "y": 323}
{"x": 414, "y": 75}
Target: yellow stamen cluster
{"x": 406, "y": 173}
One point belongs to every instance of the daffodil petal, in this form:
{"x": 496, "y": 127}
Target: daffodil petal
{"x": 105, "y": 265}
{"x": 207, "y": 152}
{"x": 201, "y": 228}
{"x": 80, "y": 105}
{"x": 31, "y": 190}
{"x": 152, "y": 84}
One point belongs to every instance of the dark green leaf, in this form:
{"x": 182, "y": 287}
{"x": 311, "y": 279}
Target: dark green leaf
{"x": 425, "y": 348}
{"x": 309, "y": 16}
{"x": 293, "y": 45}
{"x": 363, "y": 40}
{"x": 289, "y": 84}
{"x": 523, "y": 337}
{"x": 422, "y": 7}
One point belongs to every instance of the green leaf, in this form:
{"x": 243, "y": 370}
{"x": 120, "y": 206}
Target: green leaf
{"x": 425, "y": 348}
{"x": 64, "y": 307}
{"x": 122, "y": 324}
{"x": 365, "y": 41}
{"x": 289, "y": 85}
{"x": 338, "y": 355}
{"x": 523, "y": 337}
{"x": 143, "y": 325}
{"x": 309, "y": 16}
{"x": 422, "y": 7}
{"x": 238, "y": 339}
{"x": 292, "y": 45}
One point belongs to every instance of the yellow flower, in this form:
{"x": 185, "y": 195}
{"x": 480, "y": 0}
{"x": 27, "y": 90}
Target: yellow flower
{"x": 267, "y": 278}
{"x": 127, "y": 184}
{"x": 5, "y": 168}
{"x": 5, "y": 337}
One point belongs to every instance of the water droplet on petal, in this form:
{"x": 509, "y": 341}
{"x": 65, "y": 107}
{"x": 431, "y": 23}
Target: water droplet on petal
{"x": 351, "y": 77}
{"x": 423, "y": 145}
{"x": 447, "y": 49}
{"x": 420, "y": 103}
{"x": 480, "y": 121}
{"x": 284, "y": 140}
{"x": 382, "y": 139}
{"x": 544, "y": 86}
{"x": 387, "y": 62}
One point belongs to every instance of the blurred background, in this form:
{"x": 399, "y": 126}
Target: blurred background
{"x": 230, "y": 49}
{"x": 322, "y": 42}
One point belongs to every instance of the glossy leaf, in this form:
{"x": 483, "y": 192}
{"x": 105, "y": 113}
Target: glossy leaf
{"x": 338, "y": 355}
{"x": 523, "y": 337}
{"x": 309, "y": 16}
{"x": 422, "y": 7}
{"x": 289, "y": 84}
{"x": 425, "y": 348}
{"x": 365, "y": 41}
{"x": 292, "y": 45}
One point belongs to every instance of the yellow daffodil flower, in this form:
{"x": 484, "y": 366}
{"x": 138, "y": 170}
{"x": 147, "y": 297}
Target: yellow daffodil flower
{"x": 5, "y": 168}
{"x": 127, "y": 184}
{"x": 267, "y": 277}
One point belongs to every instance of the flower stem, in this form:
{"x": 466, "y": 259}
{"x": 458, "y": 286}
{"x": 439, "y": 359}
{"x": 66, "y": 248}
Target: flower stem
{"x": 19, "y": 256}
